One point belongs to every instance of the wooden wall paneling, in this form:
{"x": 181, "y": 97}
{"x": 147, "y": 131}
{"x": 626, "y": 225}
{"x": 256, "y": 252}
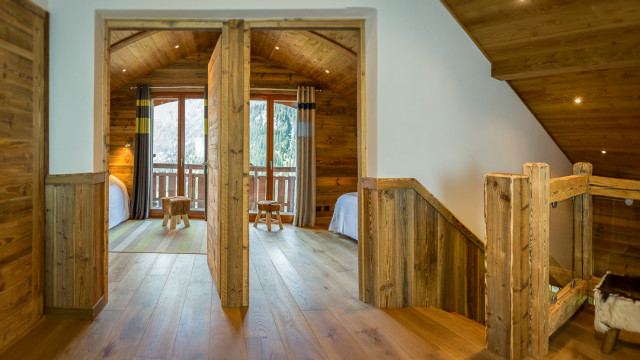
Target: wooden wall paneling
{"x": 507, "y": 262}
{"x": 22, "y": 120}
{"x": 75, "y": 245}
{"x": 415, "y": 256}
{"x": 616, "y": 236}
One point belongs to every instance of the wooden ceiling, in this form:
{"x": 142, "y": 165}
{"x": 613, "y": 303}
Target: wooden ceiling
{"x": 307, "y": 53}
{"x": 327, "y": 57}
{"x": 553, "y": 52}
{"x": 142, "y": 52}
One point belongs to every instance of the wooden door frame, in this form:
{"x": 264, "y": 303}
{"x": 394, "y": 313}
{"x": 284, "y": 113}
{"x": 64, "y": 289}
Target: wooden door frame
{"x": 254, "y": 24}
{"x": 182, "y": 98}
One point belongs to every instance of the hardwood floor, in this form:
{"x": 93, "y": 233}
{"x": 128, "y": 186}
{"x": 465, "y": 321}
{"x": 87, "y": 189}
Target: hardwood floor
{"x": 303, "y": 305}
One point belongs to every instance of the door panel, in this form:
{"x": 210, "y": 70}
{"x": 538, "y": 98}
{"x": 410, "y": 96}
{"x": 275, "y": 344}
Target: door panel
{"x": 228, "y": 187}
{"x": 22, "y": 172}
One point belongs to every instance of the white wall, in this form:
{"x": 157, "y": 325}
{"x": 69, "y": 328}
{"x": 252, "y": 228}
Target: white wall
{"x": 433, "y": 111}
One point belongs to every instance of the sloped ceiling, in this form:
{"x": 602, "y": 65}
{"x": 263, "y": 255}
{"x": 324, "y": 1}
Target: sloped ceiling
{"x": 327, "y": 58}
{"x": 554, "y": 52}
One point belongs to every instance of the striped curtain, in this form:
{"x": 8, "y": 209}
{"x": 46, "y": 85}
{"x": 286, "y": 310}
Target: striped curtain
{"x": 206, "y": 146}
{"x": 140, "y": 196}
{"x": 305, "y": 214}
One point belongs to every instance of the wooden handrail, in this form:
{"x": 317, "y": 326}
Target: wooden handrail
{"x": 568, "y": 301}
{"x": 616, "y": 188}
{"x": 411, "y": 183}
{"x": 565, "y": 187}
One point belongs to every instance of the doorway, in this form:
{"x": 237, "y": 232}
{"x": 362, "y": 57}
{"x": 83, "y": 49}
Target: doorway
{"x": 178, "y": 151}
{"x": 273, "y": 150}
{"x": 233, "y": 31}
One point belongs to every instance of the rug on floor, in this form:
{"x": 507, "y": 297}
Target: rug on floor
{"x": 150, "y": 236}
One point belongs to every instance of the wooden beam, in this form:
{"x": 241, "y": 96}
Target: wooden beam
{"x": 334, "y": 45}
{"x": 582, "y": 227}
{"x": 568, "y": 302}
{"x": 538, "y": 174}
{"x": 563, "y": 188}
{"x": 130, "y": 40}
{"x": 587, "y": 50}
{"x": 617, "y": 188}
{"x": 507, "y": 264}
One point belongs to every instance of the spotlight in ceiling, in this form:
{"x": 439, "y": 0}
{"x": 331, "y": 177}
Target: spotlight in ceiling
{"x": 577, "y": 100}
{"x": 177, "y": 46}
{"x": 277, "y": 47}
{"x": 124, "y": 70}
{"x": 604, "y": 151}
{"x": 327, "y": 71}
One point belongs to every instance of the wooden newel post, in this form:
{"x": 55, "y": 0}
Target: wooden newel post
{"x": 582, "y": 228}
{"x": 507, "y": 264}
{"x": 538, "y": 174}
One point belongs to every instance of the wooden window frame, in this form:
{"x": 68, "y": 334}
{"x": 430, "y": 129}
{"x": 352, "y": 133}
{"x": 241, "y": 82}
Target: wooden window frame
{"x": 181, "y": 97}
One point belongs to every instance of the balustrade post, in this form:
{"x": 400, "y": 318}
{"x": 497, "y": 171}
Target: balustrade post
{"x": 507, "y": 264}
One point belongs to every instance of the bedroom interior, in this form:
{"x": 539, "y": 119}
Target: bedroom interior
{"x": 391, "y": 267}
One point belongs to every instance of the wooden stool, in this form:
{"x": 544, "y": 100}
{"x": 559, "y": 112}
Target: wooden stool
{"x": 177, "y": 208}
{"x": 617, "y": 303}
{"x": 268, "y": 207}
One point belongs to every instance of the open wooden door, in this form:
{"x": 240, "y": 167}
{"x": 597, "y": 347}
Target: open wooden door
{"x": 22, "y": 119}
{"x": 228, "y": 164}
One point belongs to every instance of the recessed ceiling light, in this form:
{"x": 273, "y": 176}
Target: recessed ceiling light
{"x": 327, "y": 71}
{"x": 577, "y": 100}
{"x": 177, "y": 46}
{"x": 277, "y": 47}
{"x": 604, "y": 151}
{"x": 124, "y": 70}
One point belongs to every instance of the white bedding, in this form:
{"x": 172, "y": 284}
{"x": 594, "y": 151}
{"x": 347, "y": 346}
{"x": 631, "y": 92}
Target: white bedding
{"x": 118, "y": 202}
{"x": 345, "y": 216}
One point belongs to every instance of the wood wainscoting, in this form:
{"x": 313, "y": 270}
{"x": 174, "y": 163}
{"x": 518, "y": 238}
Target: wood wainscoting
{"x": 415, "y": 252}
{"x": 75, "y": 245}
{"x": 23, "y": 120}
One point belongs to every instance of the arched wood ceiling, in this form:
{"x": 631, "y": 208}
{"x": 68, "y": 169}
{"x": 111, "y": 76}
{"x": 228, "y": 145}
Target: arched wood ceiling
{"x": 312, "y": 54}
{"x": 554, "y": 51}
{"x": 142, "y": 52}
{"x": 308, "y": 53}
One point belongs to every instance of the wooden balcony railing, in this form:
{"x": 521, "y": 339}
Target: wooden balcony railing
{"x": 284, "y": 187}
{"x": 164, "y": 183}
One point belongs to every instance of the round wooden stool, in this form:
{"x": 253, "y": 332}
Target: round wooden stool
{"x": 177, "y": 208}
{"x": 268, "y": 207}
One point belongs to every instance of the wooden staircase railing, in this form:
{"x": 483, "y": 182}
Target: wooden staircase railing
{"x": 520, "y": 316}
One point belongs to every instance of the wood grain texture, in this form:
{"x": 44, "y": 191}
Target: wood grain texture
{"x": 228, "y": 206}
{"x": 22, "y": 123}
{"x": 75, "y": 245}
{"x": 563, "y": 188}
{"x": 541, "y": 190}
{"x": 569, "y": 300}
{"x": 582, "y": 228}
{"x": 553, "y": 52}
{"x": 507, "y": 264}
{"x": 416, "y": 255}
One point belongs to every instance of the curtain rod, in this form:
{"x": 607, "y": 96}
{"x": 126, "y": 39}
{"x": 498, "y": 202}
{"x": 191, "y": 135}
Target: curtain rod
{"x": 272, "y": 89}
{"x": 202, "y": 87}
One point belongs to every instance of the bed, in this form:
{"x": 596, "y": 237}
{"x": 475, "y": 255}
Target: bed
{"x": 345, "y": 216}
{"x": 118, "y": 202}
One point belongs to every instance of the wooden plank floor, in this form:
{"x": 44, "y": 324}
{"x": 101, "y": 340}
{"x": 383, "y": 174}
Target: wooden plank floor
{"x": 304, "y": 305}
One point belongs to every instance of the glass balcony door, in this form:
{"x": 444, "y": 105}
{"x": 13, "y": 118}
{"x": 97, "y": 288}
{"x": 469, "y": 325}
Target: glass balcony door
{"x": 178, "y": 150}
{"x": 273, "y": 144}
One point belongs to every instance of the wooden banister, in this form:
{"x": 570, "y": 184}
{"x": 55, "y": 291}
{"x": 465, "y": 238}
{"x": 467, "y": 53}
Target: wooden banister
{"x": 616, "y": 188}
{"x": 568, "y": 301}
{"x": 565, "y": 187}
